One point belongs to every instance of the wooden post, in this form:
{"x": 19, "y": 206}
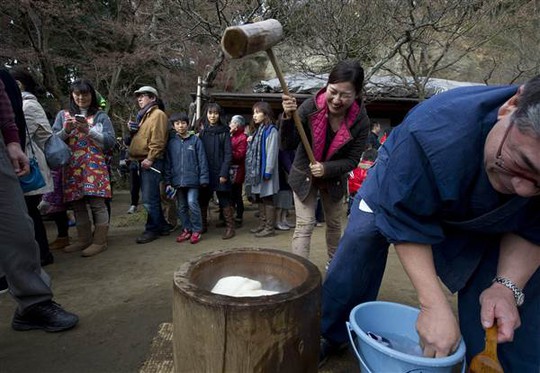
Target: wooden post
{"x": 217, "y": 333}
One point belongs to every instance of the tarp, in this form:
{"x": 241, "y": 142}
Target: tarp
{"x": 385, "y": 86}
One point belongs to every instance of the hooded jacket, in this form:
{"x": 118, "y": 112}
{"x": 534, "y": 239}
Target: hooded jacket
{"x": 185, "y": 164}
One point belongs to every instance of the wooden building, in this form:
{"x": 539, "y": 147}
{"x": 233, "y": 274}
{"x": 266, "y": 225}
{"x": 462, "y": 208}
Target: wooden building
{"x": 389, "y": 111}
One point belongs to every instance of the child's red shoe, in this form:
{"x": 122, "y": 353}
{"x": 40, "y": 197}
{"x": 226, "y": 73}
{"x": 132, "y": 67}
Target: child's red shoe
{"x": 184, "y": 236}
{"x": 195, "y": 237}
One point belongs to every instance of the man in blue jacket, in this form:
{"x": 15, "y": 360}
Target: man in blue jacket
{"x": 455, "y": 189}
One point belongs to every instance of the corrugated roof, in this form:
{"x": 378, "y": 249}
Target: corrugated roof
{"x": 377, "y": 86}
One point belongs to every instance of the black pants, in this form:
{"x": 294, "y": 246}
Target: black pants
{"x": 205, "y": 195}
{"x": 134, "y": 183}
{"x": 237, "y": 200}
{"x": 62, "y": 222}
{"x": 40, "y": 234}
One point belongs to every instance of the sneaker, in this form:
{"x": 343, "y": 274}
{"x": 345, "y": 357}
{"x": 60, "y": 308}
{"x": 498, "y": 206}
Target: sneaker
{"x": 282, "y": 226}
{"x": 184, "y": 236}
{"x": 147, "y": 237}
{"x": 195, "y": 238}
{"x": 328, "y": 349}
{"x": 48, "y": 316}
{"x": 3, "y": 285}
{"x": 291, "y": 225}
{"x": 132, "y": 209}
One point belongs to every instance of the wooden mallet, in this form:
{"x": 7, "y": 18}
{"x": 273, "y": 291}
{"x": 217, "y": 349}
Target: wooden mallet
{"x": 240, "y": 41}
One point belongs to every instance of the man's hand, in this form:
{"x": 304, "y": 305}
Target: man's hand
{"x": 222, "y": 180}
{"x": 146, "y": 164}
{"x": 438, "y": 330}
{"x": 19, "y": 160}
{"x": 436, "y": 324}
{"x": 499, "y": 306}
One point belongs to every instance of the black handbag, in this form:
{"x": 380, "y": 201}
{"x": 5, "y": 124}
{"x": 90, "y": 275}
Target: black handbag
{"x": 34, "y": 180}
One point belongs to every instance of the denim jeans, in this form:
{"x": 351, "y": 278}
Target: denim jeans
{"x": 189, "y": 210}
{"x": 355, "y": 273}
{"x": 151, "y": 197}
{"x": 305, "y": 222}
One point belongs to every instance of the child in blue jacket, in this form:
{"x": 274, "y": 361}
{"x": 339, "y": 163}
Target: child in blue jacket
{"x": 186, "y": 170}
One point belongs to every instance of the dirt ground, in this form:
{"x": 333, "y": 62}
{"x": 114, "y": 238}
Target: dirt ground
{"x": 124, "y": 295}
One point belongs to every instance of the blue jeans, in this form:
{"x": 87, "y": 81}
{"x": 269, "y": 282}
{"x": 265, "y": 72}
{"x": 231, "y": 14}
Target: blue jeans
{"x": 189, "y": 210}
{"x": 355, "y": 273}
{"x": 151, "y": 197}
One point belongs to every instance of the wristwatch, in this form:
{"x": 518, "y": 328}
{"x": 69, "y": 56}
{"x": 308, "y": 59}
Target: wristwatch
{"x": 518, "y": 293}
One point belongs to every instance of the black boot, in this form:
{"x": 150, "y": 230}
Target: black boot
{"x": 204, "y": 218}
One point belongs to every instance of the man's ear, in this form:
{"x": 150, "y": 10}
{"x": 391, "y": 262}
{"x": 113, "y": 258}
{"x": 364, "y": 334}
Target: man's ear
{"x": 510, "y": 105}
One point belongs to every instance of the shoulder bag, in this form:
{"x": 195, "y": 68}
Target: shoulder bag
{"x": 34, "y": 180}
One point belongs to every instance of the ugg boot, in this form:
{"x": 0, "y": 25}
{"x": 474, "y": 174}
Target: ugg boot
{"x": 269, "y": 230}
{"x": 262, "y": 219}
{"x": 228, "y": 213}
{"x": 99, "y": 242}
{"x": 59, "y": 243}
{"x": 84, "y": 238}
{"x": 204, "y": 218}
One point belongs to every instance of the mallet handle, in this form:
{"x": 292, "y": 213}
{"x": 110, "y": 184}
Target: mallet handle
{"x": 296, "y": 117}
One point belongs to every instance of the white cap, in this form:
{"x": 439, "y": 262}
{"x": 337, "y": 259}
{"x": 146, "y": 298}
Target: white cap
{"x": 147, "y": 89}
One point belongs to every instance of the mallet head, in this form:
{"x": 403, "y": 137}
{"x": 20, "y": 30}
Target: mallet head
{"x": 240, "y": 41}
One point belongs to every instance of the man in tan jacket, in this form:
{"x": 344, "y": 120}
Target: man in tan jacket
{"x": 148, "y": 144}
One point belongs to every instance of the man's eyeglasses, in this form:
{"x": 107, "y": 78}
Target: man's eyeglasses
{"x": 500, "y": 162}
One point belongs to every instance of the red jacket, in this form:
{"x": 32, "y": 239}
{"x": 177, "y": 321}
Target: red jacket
{"x": 239, "y": 150}
{"x": 358, "y": 176}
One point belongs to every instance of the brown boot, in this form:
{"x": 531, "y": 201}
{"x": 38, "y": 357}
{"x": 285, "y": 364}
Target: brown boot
{"x": 59, "y": 243}
{"x": 262, "y": 219}
{"x": 228, "y": 213}
{"x": 84, "y": 238}
{"x": 99, "y": 242}
{"x": 269, "y": 229}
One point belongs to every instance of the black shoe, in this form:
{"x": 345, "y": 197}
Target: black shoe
{"x": 167, "y": 229}
{"x": 328, "y": 349}
{"x": 147, "y": 237}
{"x": 48, "y": 316}
{"x": 49, "y": 259}
{"x": 3, "y": 285}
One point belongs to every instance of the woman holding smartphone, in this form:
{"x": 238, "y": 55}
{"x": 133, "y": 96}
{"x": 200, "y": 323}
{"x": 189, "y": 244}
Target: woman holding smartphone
{"x": 89, "y": 133}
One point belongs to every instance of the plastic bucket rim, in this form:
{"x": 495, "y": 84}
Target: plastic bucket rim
{"x": 427, "y": 361}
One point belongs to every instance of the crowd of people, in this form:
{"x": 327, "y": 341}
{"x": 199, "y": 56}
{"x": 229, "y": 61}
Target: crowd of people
{"x": 454, "y": 191}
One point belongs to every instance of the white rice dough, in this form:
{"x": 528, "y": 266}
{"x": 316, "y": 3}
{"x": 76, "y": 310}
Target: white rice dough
{"x": 238, "y": 286}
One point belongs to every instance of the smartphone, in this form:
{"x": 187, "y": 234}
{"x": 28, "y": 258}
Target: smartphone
{"x": 80, "y": 118}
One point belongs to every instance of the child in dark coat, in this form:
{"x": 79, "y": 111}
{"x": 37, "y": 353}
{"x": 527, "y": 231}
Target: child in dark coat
{"x": 186, "y": 170}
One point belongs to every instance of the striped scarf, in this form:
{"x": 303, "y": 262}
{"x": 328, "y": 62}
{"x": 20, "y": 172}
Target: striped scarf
{"x": 253, "y": 158}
